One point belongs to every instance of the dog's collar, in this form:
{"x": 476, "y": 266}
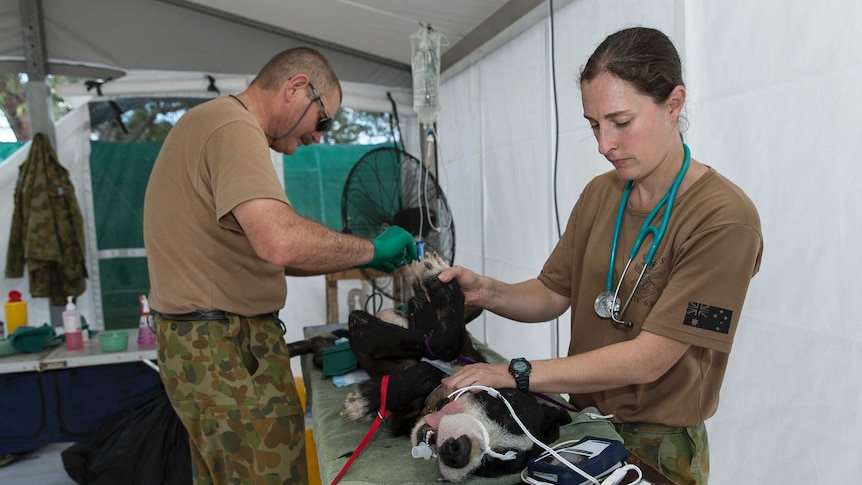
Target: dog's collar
{"x": 438, "y": 403}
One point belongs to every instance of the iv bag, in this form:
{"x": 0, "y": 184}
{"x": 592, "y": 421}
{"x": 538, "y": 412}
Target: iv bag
{"x": 426, "y": 73}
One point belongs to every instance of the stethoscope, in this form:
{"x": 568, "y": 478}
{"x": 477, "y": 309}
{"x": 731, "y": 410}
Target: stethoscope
{"x": 608, "y": 304}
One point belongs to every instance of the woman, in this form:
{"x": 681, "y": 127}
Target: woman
{"x": 650, "y": 336}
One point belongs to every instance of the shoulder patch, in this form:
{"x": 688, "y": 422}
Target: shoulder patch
{"x": 708, "y": 317}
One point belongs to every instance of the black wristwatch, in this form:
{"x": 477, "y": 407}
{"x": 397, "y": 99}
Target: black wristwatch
{"x": 520, "y": 370}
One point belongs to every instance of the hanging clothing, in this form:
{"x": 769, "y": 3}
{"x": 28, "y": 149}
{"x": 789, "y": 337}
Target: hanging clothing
{"x": 47, "y": 232}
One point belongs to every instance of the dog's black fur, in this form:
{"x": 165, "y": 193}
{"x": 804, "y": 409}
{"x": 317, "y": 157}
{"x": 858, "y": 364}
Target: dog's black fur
{"x": 434, "y": 328}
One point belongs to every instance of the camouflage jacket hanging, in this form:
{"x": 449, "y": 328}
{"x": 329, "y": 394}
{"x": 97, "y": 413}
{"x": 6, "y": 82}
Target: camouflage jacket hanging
{"x": 47, "y": 232}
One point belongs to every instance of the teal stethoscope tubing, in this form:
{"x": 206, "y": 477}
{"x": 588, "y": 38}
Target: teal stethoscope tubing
{"x": 646, "y": 228}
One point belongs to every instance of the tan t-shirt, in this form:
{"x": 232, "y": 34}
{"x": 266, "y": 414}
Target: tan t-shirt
{"x": 693, "y": 292}
{"x": 214, "y": 158}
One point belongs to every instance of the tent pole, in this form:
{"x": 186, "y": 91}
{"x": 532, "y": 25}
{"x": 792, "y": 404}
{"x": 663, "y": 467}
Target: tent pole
{"x": 37, "y": 90}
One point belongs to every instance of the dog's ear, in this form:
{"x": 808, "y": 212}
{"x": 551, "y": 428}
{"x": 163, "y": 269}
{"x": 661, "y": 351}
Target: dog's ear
{"x": 471, "y": 312}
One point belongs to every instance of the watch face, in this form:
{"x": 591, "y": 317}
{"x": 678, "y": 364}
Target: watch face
{"x": 519, "y": 366}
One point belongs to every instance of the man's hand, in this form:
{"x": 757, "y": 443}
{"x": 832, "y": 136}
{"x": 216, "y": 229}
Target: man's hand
{"x": 392, "y": 249}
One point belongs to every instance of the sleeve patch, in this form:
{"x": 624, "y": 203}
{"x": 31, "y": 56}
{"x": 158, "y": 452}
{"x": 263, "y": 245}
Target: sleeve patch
{"x": 708, "y": 317}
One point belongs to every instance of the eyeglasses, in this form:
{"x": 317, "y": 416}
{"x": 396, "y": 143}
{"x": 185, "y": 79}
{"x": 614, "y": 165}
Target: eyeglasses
{"x": 324, "y": 124}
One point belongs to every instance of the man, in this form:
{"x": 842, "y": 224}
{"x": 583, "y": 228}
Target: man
{"x": 220, "y": 235}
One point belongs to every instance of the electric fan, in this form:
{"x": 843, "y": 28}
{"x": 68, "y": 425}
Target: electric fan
{"x": 389, "y": 187}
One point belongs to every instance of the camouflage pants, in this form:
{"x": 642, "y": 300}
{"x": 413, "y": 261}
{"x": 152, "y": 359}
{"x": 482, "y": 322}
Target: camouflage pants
{"x": 681, "y": 454}
{"x": 231, "y": 385}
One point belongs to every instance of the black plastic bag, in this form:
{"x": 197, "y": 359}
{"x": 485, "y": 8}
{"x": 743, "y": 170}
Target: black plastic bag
{"x": 146, "y": 446}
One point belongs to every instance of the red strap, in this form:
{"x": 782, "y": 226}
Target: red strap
{"x": 381, "y": 415}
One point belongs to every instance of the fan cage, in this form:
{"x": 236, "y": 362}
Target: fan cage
{"x": 387, "y": 187}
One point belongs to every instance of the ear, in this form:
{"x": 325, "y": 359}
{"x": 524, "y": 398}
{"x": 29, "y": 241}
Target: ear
{"x": 675, "y": 102}
{"x": 294, "y": 86}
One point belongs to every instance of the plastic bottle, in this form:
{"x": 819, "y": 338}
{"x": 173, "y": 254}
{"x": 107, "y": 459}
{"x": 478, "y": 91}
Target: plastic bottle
{"x": 72, "y": 326}
{"x": 426, "y": 73}
{"x": 146, "y": 337}
{"x": 16, "y": 312}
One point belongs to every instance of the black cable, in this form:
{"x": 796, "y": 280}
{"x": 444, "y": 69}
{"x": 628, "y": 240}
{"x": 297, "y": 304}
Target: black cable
{"x": 397, "y": 123}
{"x": 556, "y": 122}
{"x": 118, "y": 115}
{"x": 375, "y": 299}
{"x": 556, "y": 151}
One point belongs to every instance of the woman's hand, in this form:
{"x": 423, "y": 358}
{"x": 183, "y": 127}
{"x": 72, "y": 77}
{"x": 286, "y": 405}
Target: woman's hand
{"x": 471, "y": 284}
{"x": 479, "y": 374}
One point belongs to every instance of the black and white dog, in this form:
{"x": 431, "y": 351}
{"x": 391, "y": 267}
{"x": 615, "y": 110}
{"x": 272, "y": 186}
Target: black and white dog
{"x": 473, "y": 434}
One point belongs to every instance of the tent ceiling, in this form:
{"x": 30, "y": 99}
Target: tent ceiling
{"x": 367, "y": 41}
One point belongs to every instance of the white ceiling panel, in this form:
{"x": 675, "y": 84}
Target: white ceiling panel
{"x": 366, "y": 41}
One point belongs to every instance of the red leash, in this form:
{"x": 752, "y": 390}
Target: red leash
{"x": 381, "y": 415}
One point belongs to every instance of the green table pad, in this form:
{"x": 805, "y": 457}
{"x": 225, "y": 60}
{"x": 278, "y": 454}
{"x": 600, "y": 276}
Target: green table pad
{"x": 386, "y": 459}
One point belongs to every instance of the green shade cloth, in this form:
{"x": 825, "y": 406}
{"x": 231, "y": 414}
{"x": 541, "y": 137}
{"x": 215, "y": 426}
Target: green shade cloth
{"x": 8, "y": 148}
{"x": 313, "y": 177}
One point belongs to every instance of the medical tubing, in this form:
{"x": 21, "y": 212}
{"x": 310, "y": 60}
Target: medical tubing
{"x": 658, "y": 234}
{"x": 423, "y": 196}
{"x": 619, "y": 223}
{"x": 620, "y": 473}
{"x": 495, "y": 393}
{"x": 486, "y": 443}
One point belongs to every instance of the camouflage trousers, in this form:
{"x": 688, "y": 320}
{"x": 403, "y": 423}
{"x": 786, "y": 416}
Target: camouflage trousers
{"x": 681, "y": 454}
{"x": 231, "y": 385}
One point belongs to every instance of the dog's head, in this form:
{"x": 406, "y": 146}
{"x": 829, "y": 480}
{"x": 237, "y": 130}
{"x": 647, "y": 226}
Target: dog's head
{"x": 476, "y": 434}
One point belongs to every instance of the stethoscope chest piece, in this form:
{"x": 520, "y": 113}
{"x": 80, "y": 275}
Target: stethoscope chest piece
{"x": 607, "y": 304}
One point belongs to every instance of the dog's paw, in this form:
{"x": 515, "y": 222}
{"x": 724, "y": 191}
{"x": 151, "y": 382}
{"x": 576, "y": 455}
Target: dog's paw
{"x": 423, "y": 273}
{"x": 431, "y": 266}
{"x": 356, "y": 406}
{"x": 426, "y": 268}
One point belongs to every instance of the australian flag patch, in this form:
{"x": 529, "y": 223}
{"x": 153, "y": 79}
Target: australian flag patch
{"x": 708, "y": 317}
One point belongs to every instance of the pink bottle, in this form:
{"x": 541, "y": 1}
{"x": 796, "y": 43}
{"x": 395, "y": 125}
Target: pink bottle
{"x": 72, "y": 325}
{"x": 146, "y": 337}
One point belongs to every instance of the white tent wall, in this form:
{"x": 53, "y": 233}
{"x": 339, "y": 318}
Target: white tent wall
{"x": 776, "y": 99}
{"x": 772, "y": 103}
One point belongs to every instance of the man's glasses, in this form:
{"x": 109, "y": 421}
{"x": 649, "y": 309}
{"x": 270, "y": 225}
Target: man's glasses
{"x": 324, "y": 124}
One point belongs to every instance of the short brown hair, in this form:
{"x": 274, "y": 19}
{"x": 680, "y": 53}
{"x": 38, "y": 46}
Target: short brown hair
{"x": 298, "y": 60}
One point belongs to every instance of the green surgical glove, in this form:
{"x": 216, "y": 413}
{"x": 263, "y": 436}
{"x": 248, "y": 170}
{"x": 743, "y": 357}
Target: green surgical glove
{"x": 392, "y": 249}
